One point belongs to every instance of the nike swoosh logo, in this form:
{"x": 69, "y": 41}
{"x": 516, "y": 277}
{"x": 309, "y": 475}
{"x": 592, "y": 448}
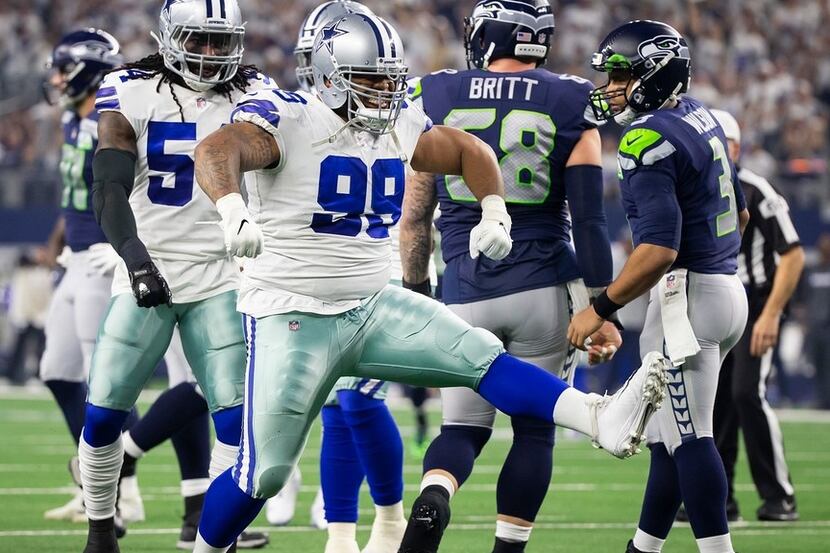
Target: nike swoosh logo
{"x": 242, "y": 224}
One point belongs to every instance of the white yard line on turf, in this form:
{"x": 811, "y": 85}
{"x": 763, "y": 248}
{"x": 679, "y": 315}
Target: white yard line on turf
{"x": 155, "y": 491}
{"x": 749, "y": 528}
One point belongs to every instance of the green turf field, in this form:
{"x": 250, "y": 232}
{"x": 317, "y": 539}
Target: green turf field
{"x": 592, "y": 506}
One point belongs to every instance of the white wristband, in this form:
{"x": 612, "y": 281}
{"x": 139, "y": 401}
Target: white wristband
{"x": 493, "y": 203}
{"x": 230, "y": 203}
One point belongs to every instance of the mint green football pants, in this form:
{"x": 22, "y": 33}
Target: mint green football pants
{"x": 132, "y": 340}
{"x": 294, "y": 360}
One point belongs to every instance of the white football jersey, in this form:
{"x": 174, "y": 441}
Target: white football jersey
{"x": 326, "y": 209}
{"x": 175, "y": 219}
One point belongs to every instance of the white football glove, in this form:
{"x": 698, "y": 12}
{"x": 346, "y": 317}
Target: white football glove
{"x": 102, "y": 258}
{"x": 492, "y": 235}
{"x": 242, "y": 235}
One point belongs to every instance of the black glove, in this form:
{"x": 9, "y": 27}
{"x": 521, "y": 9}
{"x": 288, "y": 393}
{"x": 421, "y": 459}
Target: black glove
{"x": 149, "y": 287}
{"x": 422, "y": 288}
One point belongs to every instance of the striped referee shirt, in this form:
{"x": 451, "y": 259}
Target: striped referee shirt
{"x": 769, "y": 234}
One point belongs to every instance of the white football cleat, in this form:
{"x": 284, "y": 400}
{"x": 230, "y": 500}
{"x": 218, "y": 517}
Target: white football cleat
{"x": 130, "y": 505}
{"x": 279, "y": 510}
{"x": 618, "y": 422}
{"x": 386, "y": 536}
{"x": 318, "y": 511}
{"x": 72, "y": 511}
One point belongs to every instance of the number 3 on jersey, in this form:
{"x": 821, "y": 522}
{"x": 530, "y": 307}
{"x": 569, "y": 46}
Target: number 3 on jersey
{"x": 159, "y": 135}
{"x": 526, "y": 139}
{"x": 343, "y": 190}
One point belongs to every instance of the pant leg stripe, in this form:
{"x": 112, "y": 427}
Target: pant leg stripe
{"x": 782, "y": 473}
{"x": 680, "y": 403}
{"x": 249, "y": 427}
{"x": 237, "y": 471}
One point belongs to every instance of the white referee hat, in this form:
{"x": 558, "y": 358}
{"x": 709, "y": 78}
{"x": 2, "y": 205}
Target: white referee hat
{"x": 730, "y": 126}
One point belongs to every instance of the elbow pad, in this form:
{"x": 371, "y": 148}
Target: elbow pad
{"x": 113, "y": 176}
{"x": 583, "y": 186}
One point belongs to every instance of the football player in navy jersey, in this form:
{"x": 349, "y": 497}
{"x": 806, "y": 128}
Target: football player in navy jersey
{"x": 686, "y": 211}
{"x": 76, "y": 66}
{"x": 541, "y": 128}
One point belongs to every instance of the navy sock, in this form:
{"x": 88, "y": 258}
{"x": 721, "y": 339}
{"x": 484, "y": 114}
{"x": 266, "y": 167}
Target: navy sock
{"x": 102, "y": 425}
{"x": 172, "y": 411}
{"x": 192, "y": 445}
{"x": 378, "y": 443}
{"x": 455, "y": 449}
{"x": 340, "y": 470}
{"x": 517, "y": 388}
{"x": 228, "y": 425}
{"x": 525, "y": 476}
{"x": 71, "y": 398}
{"x": 227, "y": 511}
{"x": 704, "y": 487}
{"x": 662, "y": 496}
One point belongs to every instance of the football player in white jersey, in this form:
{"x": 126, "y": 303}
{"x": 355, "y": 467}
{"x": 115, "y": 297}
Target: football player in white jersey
{"x": 176, "y": 272}
{"x": 326, "y": 182}
{"x": 360, "y": 438}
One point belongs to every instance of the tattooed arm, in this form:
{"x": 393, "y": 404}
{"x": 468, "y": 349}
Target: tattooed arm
{"x": 225, "y": 154}
{"x": 416, "y": 227}
{"x": 221, "y": 158}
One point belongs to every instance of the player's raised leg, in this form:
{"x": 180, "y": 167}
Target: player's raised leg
{"x": 131, "y": 342}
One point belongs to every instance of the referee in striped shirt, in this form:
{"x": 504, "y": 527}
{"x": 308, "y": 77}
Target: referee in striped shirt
{"x": 770, "y": 264}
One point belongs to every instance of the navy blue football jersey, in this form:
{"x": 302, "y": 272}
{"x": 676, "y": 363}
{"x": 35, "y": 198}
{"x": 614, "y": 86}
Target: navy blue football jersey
{"x": 531, "y": 120}
{"x": 80, "y": 139}
{"x": 679, "y": 188}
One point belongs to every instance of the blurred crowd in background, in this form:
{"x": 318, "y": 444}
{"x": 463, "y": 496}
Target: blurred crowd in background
{"x": 763, "y": 60}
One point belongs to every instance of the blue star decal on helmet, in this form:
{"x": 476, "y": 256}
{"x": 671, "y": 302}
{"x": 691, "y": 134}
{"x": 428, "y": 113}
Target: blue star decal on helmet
{"x": 328, "y": 33}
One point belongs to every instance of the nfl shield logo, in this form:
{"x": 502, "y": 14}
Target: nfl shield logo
{"x": 671, "y": 281}
{"x": 293, "y": 326}
{"x": 200, "y": 102}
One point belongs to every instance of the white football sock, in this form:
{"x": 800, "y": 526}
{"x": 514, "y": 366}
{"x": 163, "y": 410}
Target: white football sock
{"x": 512, "y": 533}
{"x": 130, "y": 447}
{"x": 647, "y": 543}
{"x": 194, "y": 486}
{"x": 716, "y": 544}
{"x": 438, "y": 480}
{"x": 100, "y": 467}
{"x": 389, "y": 512}
{"x": 342, "y": 531}
{"x": 571, "y": 411}
{"x": 222, "y": 458}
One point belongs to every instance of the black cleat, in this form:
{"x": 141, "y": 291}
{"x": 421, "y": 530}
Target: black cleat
{"x": 101, "y": 537}
{"x": 733, "y": 514}
{"x": 430, "y": 517}
{"x": 631, "y": 549}
{"x": 252, "y": 540}
{"x": 778, "y": 510}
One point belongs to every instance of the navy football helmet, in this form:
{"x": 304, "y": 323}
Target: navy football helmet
{"x": 651, "y": 55}
{"x": 77, "y": 65}
{"x": 508, "y": 29}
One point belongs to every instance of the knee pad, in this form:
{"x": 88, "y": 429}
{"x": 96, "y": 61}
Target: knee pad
{"x": 228, "y": 425}
{"x": 272, "y": 479}
{"x": 102, "y": 425}
{"x": 533, "y": 430}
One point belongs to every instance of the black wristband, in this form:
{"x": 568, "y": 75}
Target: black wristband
{"x": 424, "y": 287}
{"x": 604, "y": 307}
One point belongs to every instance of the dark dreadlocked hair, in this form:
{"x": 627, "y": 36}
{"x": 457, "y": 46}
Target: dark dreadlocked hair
{"x": 152, "y": 65}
